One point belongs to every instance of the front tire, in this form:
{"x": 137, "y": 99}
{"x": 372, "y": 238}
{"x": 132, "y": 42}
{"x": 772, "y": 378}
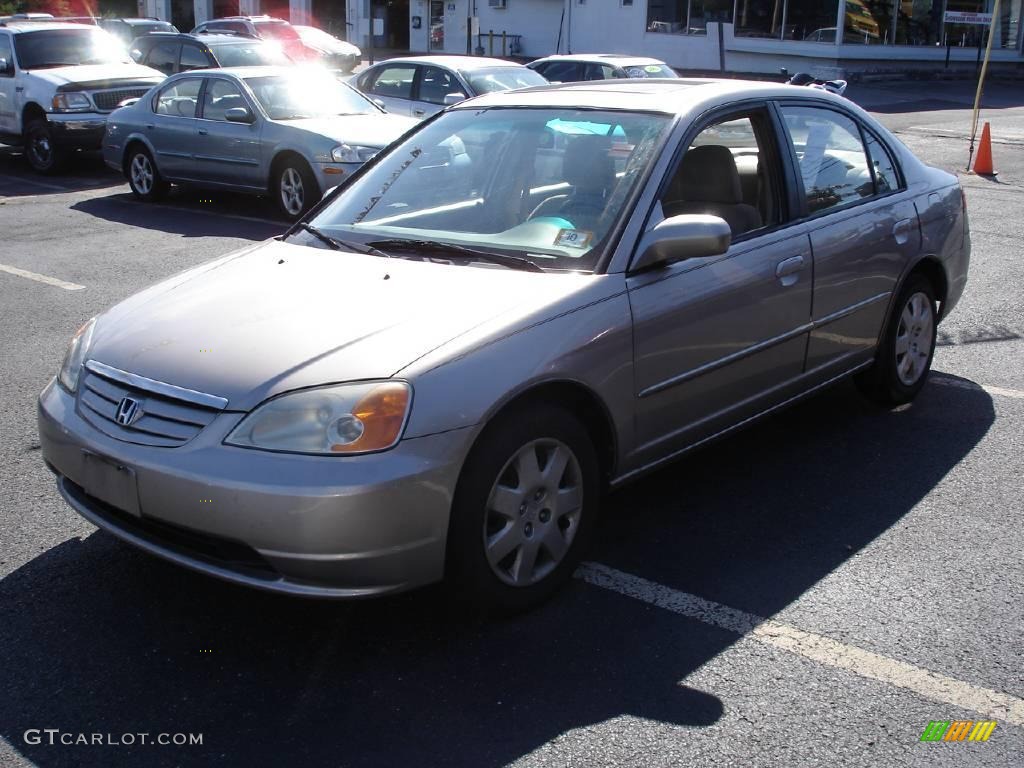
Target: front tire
{"x": 905, "y": 353}
{"x": 41, "y": 150}
{"x": 525, "y": 507}
{"x": 143, "y": 177}
{"x": 295, "y": 189}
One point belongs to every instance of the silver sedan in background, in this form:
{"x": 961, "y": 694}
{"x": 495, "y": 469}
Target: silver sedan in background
{"x": 536, "y": 296}
{"x": 421, "y": 86}
{"x": 291, "y": 132}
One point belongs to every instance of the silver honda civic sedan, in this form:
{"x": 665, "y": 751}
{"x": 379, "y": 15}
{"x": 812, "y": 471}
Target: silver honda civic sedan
{"x": 535, "y": 297}
{"x": 290, "y": 132}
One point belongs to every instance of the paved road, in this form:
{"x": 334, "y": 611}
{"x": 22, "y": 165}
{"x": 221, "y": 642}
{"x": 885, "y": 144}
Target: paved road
{"x": 883, "y": 549}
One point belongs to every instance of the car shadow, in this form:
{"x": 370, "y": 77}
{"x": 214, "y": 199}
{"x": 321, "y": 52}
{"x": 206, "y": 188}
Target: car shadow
{"x": 190, "y": 213}
{"x": 98, "y": 638}
{"x": 85, "y": 171}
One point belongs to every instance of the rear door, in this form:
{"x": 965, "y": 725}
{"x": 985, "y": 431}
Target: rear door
{"x": 227, "y": 153}
{"x": 392, "y": 84}
{"x": 172, "y": 126}
{"x": 863, "y": 229}
{"x": 163, "y": 57}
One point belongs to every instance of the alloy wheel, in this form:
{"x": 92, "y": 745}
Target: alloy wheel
{"x": 292, "y": 194}
{"x": 41, "y": 148}
{"x": 914, "y": 338}
{"x": 533, "y": 512}
{"x": 142, "y": 174}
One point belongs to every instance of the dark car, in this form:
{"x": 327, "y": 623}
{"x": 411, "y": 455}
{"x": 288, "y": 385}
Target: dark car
{"x": 264, "y": 28}
{"x": 128, "y": 29}
{"x": 180, "y": 52}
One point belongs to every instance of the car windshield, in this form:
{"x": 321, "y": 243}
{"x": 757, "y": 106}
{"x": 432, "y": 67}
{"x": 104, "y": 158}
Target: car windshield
{"x": 68, "y": 47}
{"x": 320, "y": 39}
{"x": 157, "y": 26}
{"x": 248, "y": 54}
{"x": 650, "y": 70}
{"x": 308, "y": 94}
{"x": 278, "y": 30}
{"x": 547, "y": 185}
{"x": 502, "y": 79}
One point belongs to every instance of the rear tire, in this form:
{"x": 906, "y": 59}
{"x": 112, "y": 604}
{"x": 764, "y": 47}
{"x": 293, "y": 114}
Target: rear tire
{"x": 143, "y": 177}
{"x": 41, "y": 150}
{"x": 905, "y": 353}
{"x": 525, "y": 509}
{"x": 295, "y": 188}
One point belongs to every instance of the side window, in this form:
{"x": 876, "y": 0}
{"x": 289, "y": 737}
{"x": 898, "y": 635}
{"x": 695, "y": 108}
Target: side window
{"x": 5, "y": 54}
{"x": 395, "y": 82}
{"x": 192, "y": 57}
{"x": 221, "y": 95}
{"x": 236, "y": 26}
{"x": 599, "y": 72}
{"x": 833, "y": 165}
{"x": 435, "y": 84}
{"x": 886, "y": 178}
{"x": 562, "y": 72}
{"x": 731, "y": 171}
{"x": 179, "y": 99}
{"x": 163, "y": 57}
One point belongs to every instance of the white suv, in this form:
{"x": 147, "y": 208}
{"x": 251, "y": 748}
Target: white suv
{"x": 58, "y": 82}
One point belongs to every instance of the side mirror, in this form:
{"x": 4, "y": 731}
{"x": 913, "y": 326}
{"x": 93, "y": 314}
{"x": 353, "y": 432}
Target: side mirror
{"x": 239, "y": 115}
{"x": 453, "y": 98}
{"x": 690, "y": 236}
{"x": 380, "y": 103}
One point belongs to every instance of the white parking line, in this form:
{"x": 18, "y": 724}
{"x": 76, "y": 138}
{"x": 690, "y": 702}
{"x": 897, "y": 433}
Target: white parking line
{"x": 931, "y": 685}
{"x": 41, "y": 278}
{"x": 1000, "y": 391}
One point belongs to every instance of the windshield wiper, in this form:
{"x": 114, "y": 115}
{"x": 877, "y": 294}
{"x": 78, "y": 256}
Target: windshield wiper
{"x": 336, "y": 244}
{"x": 449, "y": 249}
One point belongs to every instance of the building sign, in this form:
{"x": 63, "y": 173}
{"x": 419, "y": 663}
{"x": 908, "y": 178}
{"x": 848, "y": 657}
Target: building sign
{"x": 968, "y": 17}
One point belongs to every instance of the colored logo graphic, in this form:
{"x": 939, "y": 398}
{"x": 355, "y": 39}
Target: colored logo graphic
{"x": 958, "y": 730}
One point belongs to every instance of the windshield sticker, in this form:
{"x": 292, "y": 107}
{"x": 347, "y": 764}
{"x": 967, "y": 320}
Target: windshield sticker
{"x": 652, "y": 68}
{"x": 573, "y": 238}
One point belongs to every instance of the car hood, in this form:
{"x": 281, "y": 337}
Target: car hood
{"x": 373, "y": 130}
{"x": 278, "y": 317}
{"x": 91, "y": 75}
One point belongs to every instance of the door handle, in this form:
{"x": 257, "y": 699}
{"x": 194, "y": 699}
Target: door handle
{"x": 419, "y": 112}
{"x": 150, "y": 126}
{"x": 203, "y": 132}
{"x": 788, "y": 268}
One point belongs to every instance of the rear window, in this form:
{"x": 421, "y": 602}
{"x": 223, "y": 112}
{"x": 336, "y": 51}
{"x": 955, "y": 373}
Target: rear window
{"x": 251, "y": 54}
{"x": 503, "y": 79}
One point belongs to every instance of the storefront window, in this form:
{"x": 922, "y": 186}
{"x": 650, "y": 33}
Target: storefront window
{"x": 686, "y": 17}
{"x": 956, "y": 23}
{"x": 810, "y": 20}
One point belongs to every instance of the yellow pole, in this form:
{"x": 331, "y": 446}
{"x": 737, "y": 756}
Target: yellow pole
{"x": 981, "y": 81}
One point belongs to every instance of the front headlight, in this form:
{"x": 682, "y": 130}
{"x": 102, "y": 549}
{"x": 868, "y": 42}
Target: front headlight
{"x": 71, "y": 102}
{"x": 340, "y": 419}
{"x": 349, "y": 154}
{"x": 77, "y": 350}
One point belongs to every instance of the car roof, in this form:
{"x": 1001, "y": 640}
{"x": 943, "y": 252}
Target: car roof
{"x": 36, "y": 26}
{"x": 669, "y": 96}
{"x": 201, "y": 38}
{"x": 139, "y": 20}
{"x": 609, "y": 58}
{"x": 246, "y": 72}
{"x": 462, "y": 63}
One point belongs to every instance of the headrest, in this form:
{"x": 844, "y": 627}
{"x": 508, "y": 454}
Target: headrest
{"x": 586, "y": 164}
{"x": 708, "y": 174}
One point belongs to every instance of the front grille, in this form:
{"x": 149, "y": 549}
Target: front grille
{"x": 205, "y": 547}
{"x": 107, "y": 101}
{"x": 164, "y": 420}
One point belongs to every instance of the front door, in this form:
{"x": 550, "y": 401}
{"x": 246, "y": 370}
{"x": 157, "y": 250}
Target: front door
{"x": 227, "y": 153}
{"x": 719, "y": 338}
{"x": 391, "y": 85}
{"x": 8, "y": 102}
{"x": 434, "y": 84}
{"x": 863, "y": 226}
{"x": 173, "y": 126}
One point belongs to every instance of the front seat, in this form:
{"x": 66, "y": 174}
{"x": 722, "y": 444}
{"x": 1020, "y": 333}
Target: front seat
{"x": 707, "y": 182}
{"x": 589, "y": 169}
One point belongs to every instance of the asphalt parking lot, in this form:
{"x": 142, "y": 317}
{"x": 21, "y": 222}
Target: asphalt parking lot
{"x": 812, "y": 591}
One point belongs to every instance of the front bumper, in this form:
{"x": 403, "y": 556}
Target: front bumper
{"x": 303, "y": 525}
{"x": 329, "y": 175}
{"x": 82, "y": 130}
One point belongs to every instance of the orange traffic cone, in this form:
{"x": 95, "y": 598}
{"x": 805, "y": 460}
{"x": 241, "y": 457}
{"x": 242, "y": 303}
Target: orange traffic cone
{"x": 983, "y": 163}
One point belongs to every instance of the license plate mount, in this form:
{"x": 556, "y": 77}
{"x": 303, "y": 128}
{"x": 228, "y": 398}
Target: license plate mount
{"x": 111, "y": 481}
